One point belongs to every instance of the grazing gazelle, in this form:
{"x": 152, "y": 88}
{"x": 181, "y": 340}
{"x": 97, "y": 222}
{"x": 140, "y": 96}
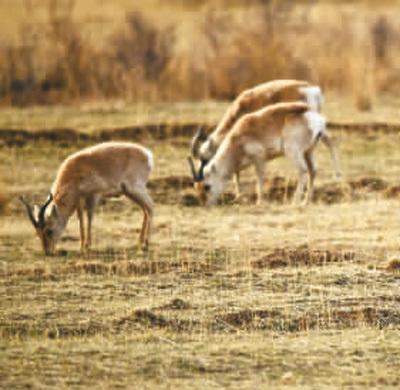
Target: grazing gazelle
{"x": 290, "y": 129}
{"x": 203, "y": 146}
{"x": 107, "y": 169}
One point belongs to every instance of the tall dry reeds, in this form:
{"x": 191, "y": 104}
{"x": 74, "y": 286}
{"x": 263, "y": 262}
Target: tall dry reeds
{"x": 214, "y": 51}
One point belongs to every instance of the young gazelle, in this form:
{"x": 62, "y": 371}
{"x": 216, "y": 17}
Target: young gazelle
{"x": 290, "y": 129}
{"x": 107, "y": 169}
{"x": 203, "y": 146}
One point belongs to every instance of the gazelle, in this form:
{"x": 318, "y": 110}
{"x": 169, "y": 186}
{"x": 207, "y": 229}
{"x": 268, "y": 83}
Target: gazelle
{"x": 106, "y": 169}
{"x": 203, "y": 146}
{"x": 289, "y": 129}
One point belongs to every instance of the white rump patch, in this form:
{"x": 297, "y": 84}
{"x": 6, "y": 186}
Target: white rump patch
{"x": 316, "y": 123}
{"x": 150, "y": 158}
{"x": 313, "y": 96}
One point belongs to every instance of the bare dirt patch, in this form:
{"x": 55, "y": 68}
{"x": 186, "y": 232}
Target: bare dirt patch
{"x": 275, "y": 320}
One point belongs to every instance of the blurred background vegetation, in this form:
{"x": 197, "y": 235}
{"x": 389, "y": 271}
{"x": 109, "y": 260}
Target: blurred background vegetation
{"x": 61, "y": 51}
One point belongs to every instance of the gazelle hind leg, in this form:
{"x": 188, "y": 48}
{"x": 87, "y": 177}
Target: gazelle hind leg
{"x": 312, "y": 172}
{"x": 237, "y": 185}
{"x": 143, "y": 199}
{"x": 300, "y": 164}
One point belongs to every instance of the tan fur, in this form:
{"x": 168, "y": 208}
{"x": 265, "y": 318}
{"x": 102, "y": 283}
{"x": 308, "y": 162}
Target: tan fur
{"x": 256, "y": 98}
{"x": 107, "y": 169}
{"x": 279, "y": 129}
{"x": 248, "y": 101}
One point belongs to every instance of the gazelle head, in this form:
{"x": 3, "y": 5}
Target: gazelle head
{"x": 207, "y": 182}
{"x": 212, "y": 185}
{"x": 198, "y": 178}
{"x": 48, "y": 226}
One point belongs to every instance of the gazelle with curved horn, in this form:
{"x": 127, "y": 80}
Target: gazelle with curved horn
{"x": 39, "y": 222}
{"x": 204, "y": 147}
{"x": 107, "y": 169}
{"x": 289, "y": 129}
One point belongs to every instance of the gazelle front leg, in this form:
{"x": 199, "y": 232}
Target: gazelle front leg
{"x": 91, "y": 203}
{"x": 79, "y": 212}
{"x": 312, "y": 172}
{"x": 297, "y": 157}
{"x": 260, "y": 172}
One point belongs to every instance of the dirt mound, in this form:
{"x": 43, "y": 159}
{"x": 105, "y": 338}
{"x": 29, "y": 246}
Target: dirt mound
{"x": 392, "y": 192}
{"x": 393, "y": 265}
{"x": 173, "y": 182}
{"x": 179, "y": 189}
{"x": 280, "y": 189}
{"x": 174, "y": 189}
{"x": 138, "y": 319}
{"x": 275, "y": 320}
{"x": 176, "y": 304}
{"x": 158, "y": 131}
{"x": 25, "y": 328}
{"x": 369, "y": 184}
{"x": 246, "y": 318}
{"x": 162, "y": 131}
{"x": 20, "y": 137}
{"x": 283, "y": 257}
{"x": 364, "y": 127}
{"x": 144, "y": 317}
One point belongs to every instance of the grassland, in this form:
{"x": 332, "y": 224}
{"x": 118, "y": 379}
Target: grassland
{"x": 236, "y": 296}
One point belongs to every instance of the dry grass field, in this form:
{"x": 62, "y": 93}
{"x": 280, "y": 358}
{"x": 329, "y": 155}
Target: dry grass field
{"x": 235, "y": 296}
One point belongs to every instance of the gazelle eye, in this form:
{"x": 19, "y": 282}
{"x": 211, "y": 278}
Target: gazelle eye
{"x": 207, "y": 187}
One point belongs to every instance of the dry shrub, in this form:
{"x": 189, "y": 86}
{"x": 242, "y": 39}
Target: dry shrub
{"x": 225, "y": 48}
{"x": 140, "y": 53}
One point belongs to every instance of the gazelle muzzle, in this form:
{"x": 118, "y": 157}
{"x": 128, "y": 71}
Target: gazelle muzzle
{"x": 197, "y": 176}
